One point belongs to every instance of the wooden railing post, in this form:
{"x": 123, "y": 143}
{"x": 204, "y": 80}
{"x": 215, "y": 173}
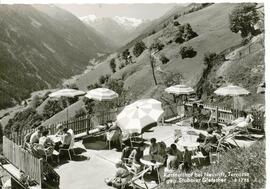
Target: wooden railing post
{"x": 217, "y": 114}
{"x": 41, "y": 172}
{"x": 88, "y": 123}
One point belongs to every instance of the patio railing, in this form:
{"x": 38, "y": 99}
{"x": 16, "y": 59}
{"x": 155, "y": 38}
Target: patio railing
{"x": 23, "y": 160}
{"x": 221, "y": 115}
{"x": 85, "y": 123}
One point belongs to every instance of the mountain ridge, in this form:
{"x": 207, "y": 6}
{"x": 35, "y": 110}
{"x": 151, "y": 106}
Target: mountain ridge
{"x": 38, "y": 49}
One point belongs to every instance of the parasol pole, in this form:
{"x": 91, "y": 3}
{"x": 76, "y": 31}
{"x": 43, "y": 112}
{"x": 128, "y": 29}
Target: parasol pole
{"x": 67, "y": 116}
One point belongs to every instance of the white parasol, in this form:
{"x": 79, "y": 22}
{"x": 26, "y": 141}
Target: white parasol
{"x": 232, "y": 90}
{"x": 179, "y": 90}
{"x": 139, "y": 114}
{"x": 101, "y": 94}
{"x": 71, "y": 93}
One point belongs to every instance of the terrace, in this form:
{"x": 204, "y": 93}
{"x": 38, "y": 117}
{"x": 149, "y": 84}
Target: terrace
{"x": 94, "y": 162}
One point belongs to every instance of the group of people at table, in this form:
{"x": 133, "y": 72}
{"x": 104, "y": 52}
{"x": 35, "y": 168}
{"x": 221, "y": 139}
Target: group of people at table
{"x": 43, "y": 145}
{"x": 171, "y": 157}
{"x": 134, "y": 161}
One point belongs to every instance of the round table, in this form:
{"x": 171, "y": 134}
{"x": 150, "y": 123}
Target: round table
{"x": 55, "y": 138}
{"x": 149, "y": 164}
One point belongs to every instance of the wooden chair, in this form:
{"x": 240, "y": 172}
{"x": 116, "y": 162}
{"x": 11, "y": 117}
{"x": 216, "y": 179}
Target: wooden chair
{"x": 47, "y": 154}
{"x": 135, "y": 138}
{"x": 70, "y": 148}
{"x": 138, "y": 177}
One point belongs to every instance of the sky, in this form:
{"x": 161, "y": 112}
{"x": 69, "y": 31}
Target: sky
{"x": 140, "y": 11}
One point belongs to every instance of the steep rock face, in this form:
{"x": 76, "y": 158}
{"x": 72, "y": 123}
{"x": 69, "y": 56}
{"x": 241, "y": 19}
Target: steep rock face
{"x": 40, "y": 46}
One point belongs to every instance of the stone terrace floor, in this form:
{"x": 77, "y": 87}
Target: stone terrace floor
{"x": 99, "y": 164}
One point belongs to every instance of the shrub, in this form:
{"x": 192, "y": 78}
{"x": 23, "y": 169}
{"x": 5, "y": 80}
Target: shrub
{"x": 171, "y": 78}
{"x": 179, "y": 39}
{"x": 107, "y": 77}
{"x": 176, "y": 23}
{"x": 169, "y": 42}
{"x": 93, "y": 86}
{"x": 249, "y": 160}
{"x": 89, "y": 105}
{"x": 259, "y": 119}
{"x": 102, "y": 79}
{"x": 79, "y": 113}
{"x": 122, "y": 66}
{"x": 243, "y": 18}
{"x": 188, "y": 32}
{"x": 27, "y": 118}
{"x": 164, "y": 25}
{"x": 113, "y": 65}
{"x": 185, "y": 33}
{"x": 187, "y": 52}
{"x": 157, "y": 46}
{"x": 126, "y": 55}
{"x": 164, "y": 59}
{"x": 181, "y": 29}
{"x": 153, "y": 32}
{"x": 51, "y": 108}
{"x": 139, "y": 48}
{"x": 175, "y": 16}
{"x": 72, "y": 86}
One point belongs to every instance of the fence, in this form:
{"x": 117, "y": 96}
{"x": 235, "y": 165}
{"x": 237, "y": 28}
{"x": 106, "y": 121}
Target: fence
{"x": 220, "y": 115}
{"x": 23, "y": 160}
{"x": 79, "y": 125}
{"x": 85, "y": 123}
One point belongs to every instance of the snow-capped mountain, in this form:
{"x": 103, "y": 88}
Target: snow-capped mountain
{"x": 119, "y": 29}
{"x": 125, "y": 22}
{"x": 129, "y": 23}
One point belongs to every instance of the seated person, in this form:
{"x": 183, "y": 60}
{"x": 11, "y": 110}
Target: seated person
{"x": 195, "y": 114}
{"x": 202, "y": 116}
{"x": 210, "y": 121}
{"x": 187, "y": 160}
{"x": 122, "y": 176}
{"x": 34, "y": 139}
{"x": 153, "y": 150}
{"x": 59, "y": 128}
{"x": 217, "y": 131}
{"x": 65, "y": 142}
{"x": 210, "y": 138}
{"x": 136, "y": 156}
{"x": 46, "y": 142}
{"x": 178, "y": 154}
{"x": 171, "y": 160}
{"x": 247, "y": 121}
{"x": 201, "y": 138}
{"x": 238, "y": 120}
{"x": 126, "y": 153}
{"x": 161, "y": 152}
{"x": 209, "y": 144}
{"x": 114, "y": 136}
{"x": 241, "y": 122}
{"x": 66, "y": 139}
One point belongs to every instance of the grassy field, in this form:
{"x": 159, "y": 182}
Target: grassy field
{"x": 212, "y": 26}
